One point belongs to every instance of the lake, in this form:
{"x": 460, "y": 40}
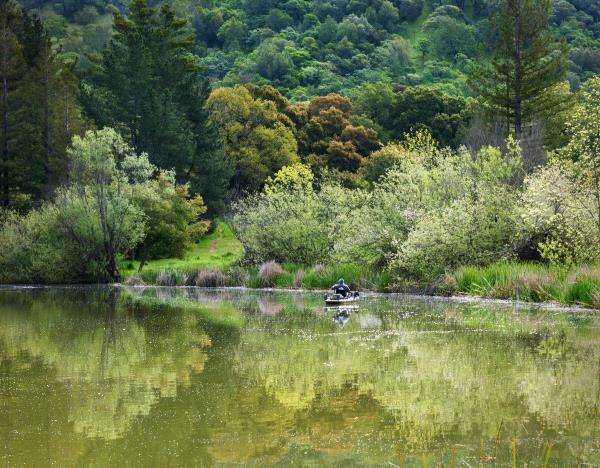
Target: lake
{"x": 94, "y": 377}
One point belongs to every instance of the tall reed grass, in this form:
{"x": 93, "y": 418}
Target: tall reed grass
{"x": 272, "y": 274}
{"x": 529, "y": 282}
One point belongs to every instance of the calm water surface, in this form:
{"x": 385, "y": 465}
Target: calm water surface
{"x": 232, "y": 377}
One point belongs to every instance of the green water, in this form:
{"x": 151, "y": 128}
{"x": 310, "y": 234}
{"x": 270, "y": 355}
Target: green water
{"x": 228, "y": 378}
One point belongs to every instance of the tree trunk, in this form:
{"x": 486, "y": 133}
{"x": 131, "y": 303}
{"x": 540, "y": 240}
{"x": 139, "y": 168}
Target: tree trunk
{"x": 518, "y": 102}
{"x": 4, "y": 186}
{"x": 144, "y": 254}
{"x": 111, "y": 267}
{"x": 46, "y": 128}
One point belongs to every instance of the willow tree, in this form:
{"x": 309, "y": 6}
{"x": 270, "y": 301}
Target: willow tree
{"x": 527, "y": 64}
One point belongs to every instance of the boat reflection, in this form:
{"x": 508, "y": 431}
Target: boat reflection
{"x": 341, "y": 314}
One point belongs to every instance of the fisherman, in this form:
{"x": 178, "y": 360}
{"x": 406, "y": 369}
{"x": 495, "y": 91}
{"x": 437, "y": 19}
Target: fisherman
{"x": 341, "y": 288}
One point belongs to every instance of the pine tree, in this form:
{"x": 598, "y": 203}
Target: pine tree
{"x": 146, "y": 83}
{"x": 518, "y": 83}
{"x": 33, "y": 137}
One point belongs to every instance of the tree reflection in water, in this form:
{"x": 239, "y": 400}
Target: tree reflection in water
{"x": 401, "y": 381}
{"x": 116, "y": 364}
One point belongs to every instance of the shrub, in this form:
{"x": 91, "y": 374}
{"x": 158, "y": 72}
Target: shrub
{"x": 210, "y": 278}
{"x": 268, "y": 272}
{"x": 292, "y": 225}
{"x": 238, "y": 277}
{"x": 166, "y": 278}
{"x": 556, "y": 217}
{"x": 173, "y": 217}
{"x": 298, "y": 278}
{"x": 35, "y": 248}
{"x": 135, "y": 280}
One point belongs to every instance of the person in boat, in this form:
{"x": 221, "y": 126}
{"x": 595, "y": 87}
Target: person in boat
{"x": 341, "y": 288}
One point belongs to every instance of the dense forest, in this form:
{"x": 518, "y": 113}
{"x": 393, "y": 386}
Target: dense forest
{"x": 308, "y": 48}
{"x": 412, "y": 136}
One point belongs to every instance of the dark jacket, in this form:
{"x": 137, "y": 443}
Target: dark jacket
{"x": 341, "y": 288}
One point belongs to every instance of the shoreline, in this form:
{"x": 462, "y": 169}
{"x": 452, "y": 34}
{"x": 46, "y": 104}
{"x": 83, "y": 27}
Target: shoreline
{"x": 464, "y": 299}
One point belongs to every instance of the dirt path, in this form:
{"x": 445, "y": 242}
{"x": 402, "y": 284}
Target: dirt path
{"x": 215, "y": 243}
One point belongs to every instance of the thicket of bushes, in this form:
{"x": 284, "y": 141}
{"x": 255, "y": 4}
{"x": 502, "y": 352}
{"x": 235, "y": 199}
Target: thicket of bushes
{"x": 434, "y": 210}
{"x": 116, "y": 203}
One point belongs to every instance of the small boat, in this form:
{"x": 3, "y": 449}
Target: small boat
{"x": 336, "y": 299}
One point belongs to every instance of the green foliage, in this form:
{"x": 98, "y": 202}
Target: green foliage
{"x": 558, "y": 218}
{"x": 525, "y": 67}
{"x": 583, "y": 148}
{"x": 432, "y": 210}
{"x": 467, "y": 213}
{"x": 104, "y": 172}
{"x": 218, "y": 249}
{"x": 319, "y": 47}
{"x": 257, "y": 136}
{"x": 290, "y": 225}
{"x": 561, "y": 204}
{"x": 146, "y": 84}
{"x": 407, "y": 109}
{"x": 319, "y": 184}
{"x": 99, "y": 217}
{"x": 444, "y": 116}
{"x": 32, "y": 251}
{"x": 38, "y": 109}
{"x": 450, "y": 36}
{"x": 173, "y": 218}
{"x": 529, "y": 282}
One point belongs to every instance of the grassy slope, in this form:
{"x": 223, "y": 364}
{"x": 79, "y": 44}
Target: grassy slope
{"x": 218, "y": 249}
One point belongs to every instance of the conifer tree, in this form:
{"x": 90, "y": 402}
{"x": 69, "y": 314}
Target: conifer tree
{"x": 526, "y": 66}
{"x": 146, "y": 84}
{"x": 34, "y": 133}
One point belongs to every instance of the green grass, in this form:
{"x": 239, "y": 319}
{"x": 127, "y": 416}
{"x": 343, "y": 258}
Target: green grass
{"x": 218, "y": 249}
{"x": 357, "y": 277}
{"x": 529, "y": 282}
{"x": 523, "y": 281}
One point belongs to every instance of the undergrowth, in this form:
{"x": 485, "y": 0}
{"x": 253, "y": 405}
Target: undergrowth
{"x": 529, "y": 282}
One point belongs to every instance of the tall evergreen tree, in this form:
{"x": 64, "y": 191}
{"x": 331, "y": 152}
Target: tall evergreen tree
{"x": 526, "y": 66}
{"x": 33, "y": 136}
{"x": 146, "y": 83}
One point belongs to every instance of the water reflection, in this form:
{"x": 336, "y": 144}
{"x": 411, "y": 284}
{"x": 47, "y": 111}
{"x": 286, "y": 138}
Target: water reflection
{"x": 397, "y": 381}
{"x": 341, "y": 314}
{"x": 115, "y": 365}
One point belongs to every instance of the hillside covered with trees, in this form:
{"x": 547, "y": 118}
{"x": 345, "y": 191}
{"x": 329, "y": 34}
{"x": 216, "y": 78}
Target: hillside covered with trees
{"x": 308, "y": 48}
{"x": 413, "y": 137}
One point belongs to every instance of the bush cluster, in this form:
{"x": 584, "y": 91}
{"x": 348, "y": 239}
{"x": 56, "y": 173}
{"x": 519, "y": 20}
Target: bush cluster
{"x": 428, "y": 211}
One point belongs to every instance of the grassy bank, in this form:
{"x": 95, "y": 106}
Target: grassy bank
{"x": 527, "y": 282}
{"x": 268, "y": 275}
{"x": 218, "y": 249}
{"x": 213, "y": 262}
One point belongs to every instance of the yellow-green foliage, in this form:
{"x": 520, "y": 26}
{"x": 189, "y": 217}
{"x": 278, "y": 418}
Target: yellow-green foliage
{"x": 259, "y": 139}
